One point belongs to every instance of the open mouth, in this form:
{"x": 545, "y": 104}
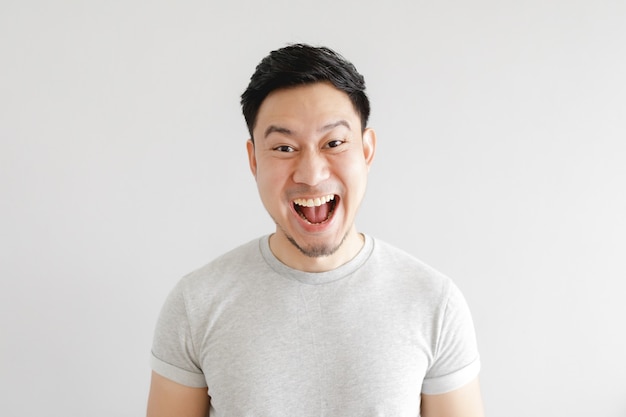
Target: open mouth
{"x": 316, "y": 210}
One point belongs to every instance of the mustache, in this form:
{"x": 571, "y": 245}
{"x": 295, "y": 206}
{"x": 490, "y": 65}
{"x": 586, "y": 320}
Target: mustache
{"x": 307, "y": 190}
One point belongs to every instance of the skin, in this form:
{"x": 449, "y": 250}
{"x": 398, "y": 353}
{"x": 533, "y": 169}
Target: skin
{"x": 169, "y": 399}
{"x": 308, "y": 143}
{"x": 463, "y": 402}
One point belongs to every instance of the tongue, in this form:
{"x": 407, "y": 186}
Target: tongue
{"x": 316, "y": 214}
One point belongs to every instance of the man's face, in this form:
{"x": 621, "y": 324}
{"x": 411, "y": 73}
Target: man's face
{"x": 310, "y": 159}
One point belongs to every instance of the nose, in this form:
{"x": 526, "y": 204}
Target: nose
{"x": 311, "y": 169}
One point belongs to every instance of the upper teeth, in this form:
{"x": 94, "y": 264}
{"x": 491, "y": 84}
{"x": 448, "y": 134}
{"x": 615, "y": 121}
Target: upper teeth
{"x": 314, "y": 202}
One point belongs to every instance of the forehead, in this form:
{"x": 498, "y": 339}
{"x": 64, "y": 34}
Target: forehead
{"x": 308, "y": 106}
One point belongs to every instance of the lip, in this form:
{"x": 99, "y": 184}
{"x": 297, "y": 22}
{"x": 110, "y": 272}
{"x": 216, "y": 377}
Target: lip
{"x": 319, "y": 227}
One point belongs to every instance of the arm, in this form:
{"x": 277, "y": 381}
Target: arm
{"x": 463, "y": 402}
{"x": 169, "y": 399}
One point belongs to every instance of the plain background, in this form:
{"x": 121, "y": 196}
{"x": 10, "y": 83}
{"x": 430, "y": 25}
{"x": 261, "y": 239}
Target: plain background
{"x": 501, "y": 162}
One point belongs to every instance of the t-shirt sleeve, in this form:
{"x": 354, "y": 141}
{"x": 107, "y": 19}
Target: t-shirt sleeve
{"x": 173, "y": 349}
{"x": 456, "y": 361}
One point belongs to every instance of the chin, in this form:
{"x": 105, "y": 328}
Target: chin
{"x": 317, "y": 250}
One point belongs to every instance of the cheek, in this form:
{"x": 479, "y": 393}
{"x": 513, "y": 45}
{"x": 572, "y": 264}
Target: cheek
{"x": 270, "y": 180}
{"x": 354, "y": 173}
{"x": 270, "y": 175}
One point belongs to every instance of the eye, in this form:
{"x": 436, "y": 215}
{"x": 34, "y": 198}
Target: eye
{"x": 284, "y": 148}
{"x": 334, "y": 143}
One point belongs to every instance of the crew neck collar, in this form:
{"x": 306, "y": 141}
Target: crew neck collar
{"x": 316, "y": 278}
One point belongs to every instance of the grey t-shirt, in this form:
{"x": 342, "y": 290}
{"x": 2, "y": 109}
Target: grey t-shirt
{"x": 365, "y": 339}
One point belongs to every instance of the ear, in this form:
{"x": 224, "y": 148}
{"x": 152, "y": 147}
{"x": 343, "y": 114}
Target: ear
{"x": 251, "y": 156}
{"x": 369, "y": 146}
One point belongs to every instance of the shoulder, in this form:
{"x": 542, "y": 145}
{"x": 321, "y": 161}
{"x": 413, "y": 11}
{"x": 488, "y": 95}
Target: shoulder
{"x": 404, "y": 276}
{"x": 222, "y": 272}
{"x": 401, "y": 264}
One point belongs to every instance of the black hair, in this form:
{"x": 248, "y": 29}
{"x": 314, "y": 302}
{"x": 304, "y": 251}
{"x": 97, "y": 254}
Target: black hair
{"x": 301, "y": 64}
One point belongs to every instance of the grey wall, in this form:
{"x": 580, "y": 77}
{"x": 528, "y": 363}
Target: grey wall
{"x": 501, "y": 129}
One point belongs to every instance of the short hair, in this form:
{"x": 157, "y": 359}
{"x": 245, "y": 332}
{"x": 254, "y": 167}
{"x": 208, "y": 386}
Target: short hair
{"x": 302, "y": 64}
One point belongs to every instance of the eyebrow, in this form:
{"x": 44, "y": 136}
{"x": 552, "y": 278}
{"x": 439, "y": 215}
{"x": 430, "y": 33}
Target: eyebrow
{"x": 277, "y": 129}
{"x": 330, "y": 126}
{"x": 338, "y": 123}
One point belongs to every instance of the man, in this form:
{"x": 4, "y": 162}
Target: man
{"x": 316, "y": 319}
